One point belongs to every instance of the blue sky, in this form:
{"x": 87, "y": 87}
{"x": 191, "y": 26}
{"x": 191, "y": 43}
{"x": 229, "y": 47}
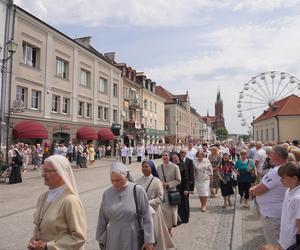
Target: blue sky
{"x": 198, "y": 46}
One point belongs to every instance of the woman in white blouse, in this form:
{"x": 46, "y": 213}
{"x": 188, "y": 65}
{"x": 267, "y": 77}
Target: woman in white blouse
{"x": 203, "y": 171}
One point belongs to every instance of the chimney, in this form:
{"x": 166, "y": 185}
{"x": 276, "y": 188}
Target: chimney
{"x": 84, "y": 41}
{"x": 110, "y": 56}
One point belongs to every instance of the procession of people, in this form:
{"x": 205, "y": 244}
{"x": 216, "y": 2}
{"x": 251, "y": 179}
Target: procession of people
{"x": 266, "y": 175}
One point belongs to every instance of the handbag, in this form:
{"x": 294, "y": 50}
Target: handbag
{"x": 140, "y": 230}
{"x": 251, "y": 172}
{"x": 173, "y": 196}
{"x": 233, "y": 179}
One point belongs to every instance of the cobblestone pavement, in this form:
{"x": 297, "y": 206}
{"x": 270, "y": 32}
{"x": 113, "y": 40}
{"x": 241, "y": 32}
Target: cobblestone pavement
{"x": 209, "y": 230}
{"x": 252, "y": 231}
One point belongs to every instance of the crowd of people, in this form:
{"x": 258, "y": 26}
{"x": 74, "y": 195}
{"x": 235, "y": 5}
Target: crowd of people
{"x": 140, "y": 214}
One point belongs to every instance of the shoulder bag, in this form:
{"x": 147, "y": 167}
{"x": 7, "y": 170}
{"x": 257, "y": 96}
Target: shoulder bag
{"x": 173, "y": 196}
{"x": 251, "y": 172}
{"x": 140, "y": 229}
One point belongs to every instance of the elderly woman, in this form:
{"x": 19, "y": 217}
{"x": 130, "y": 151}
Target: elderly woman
{"x": 203, "y": 171}
{"x": 59, "y": 219}
{"x": 215, "y": 160}
{"x": 225, "y": 174}
{"x": 118, "y": 222}
{"x": 245, "y": 173}
{"x": 154, "y": 190}
{"x": 169, "y": 174}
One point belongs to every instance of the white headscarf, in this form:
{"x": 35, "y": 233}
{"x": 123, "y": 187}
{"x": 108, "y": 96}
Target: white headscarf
{"x": 119, "y": 168}
{"x": 63, "y": 168}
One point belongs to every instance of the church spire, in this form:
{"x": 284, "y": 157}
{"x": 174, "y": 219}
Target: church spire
{"x": 219, "y": 96}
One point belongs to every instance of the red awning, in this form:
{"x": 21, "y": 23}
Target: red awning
{"x": 30, "y": 130}
{"x": 105, "y": 134}
{"x": 86, "y": 133}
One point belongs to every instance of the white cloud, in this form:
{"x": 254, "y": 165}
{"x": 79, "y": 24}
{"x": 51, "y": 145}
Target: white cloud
{"x": 242, "y": 52}
{"x": 141, "y": 12}
{"x": 254, "y": 5}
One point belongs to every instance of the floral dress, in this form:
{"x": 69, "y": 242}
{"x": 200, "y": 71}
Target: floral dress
{"x": 215, "y": 162}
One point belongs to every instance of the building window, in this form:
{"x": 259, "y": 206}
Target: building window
{"x": 100, "y": 112}
{"x": 103, "y": 85}
{"x": 35, "y": 99}
{"x": 85, "y": 77}
{"x": 262, "y": 135}
{"x": 30, "y": 55}
{"x": 88, "y": 110}
{"x": 150, "y": 123}
{"x": 145, "y": 104}
{"x": 55, "y": 103}
{"x": 166, "y": 113}
{"x": 126, "y": 93}
{"x": 21, "y": 94}
{"x": 115, "y": 90}
{"x": 267, "y": 135}
{"x": 150, "y": 106}
{"x": 61, "y": 68}
{"x": 80, "y": 108}
{"x": 105, "y": 114}
{"x": 115, "y": 115}
{"x": 257, "y": 138}
{"x": 155, "y": 107}
{"x": 66, "y": 105}
{"x": 146, "y": 122}
{"x": 273, "y": 134}
{"x": 155, "y": 124}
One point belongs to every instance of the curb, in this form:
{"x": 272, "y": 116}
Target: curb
{"x": 237, "y": 227}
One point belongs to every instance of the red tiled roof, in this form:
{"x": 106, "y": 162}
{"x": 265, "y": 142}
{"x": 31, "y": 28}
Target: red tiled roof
{"x": 165, "y": 94}
{"x": 182, "y": 98}
{"x": 289, "y": 105}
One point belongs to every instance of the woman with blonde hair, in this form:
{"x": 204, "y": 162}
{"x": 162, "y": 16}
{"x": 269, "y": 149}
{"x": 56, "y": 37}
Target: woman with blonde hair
{"x": 203, "y": 171}
{"x": 215, "y": 160}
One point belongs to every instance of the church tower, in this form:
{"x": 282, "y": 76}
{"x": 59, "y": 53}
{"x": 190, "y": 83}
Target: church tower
{"x": 219, "y": 122}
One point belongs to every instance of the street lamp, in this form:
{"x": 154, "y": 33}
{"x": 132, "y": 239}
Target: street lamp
{"x": 11, "y": 47}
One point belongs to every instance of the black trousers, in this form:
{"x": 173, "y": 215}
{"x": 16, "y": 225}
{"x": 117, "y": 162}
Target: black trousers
{"x": 244, "y": 189}
{"x": 129, "y": 159}
{"x": 124, "y": 159}
{"x": 139, "y": 158}
{"x": 184, "y": 208}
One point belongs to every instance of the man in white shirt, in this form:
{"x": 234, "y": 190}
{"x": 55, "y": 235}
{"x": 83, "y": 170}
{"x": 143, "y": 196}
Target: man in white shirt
{"x": 269, "y": 195}
{"x": 62, "y": 149}
{"x": 129, "y": 153}
{"x": 124, "y": 153}
{"x": 191, "y": 152}
{"x": 260, "y": 157}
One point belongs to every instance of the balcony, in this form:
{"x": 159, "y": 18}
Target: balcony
{"x": 134, "y": 104}
{"x": 131, "y": 125}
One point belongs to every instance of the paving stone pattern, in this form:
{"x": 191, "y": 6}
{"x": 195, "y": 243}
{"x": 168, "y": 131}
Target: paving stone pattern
{"x": 209, "y": 230}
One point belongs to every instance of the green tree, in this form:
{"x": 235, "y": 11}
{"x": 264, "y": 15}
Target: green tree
{"x": 222, "y": 134}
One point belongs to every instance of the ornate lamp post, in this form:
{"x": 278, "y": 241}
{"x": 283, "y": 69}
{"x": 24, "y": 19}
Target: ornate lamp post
{"x": 11, "y": 47}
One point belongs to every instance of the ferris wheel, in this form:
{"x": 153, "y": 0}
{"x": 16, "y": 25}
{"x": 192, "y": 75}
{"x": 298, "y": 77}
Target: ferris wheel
{"x": 262, "y": 91}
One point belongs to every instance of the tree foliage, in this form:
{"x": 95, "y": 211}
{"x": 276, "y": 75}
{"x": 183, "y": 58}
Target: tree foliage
{"x": 222, "y": 134}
